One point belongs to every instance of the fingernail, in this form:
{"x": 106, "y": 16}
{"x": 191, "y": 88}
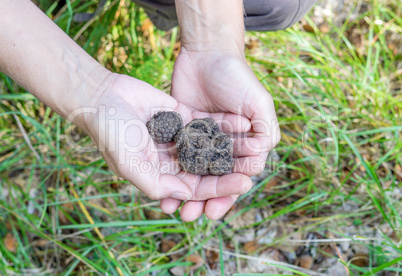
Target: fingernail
{"x": 181, "y": 196}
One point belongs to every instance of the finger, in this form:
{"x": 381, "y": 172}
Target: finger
{"x": 170, "y": 205}
{"x": 192, "y": 210}
{"x": 261, "y": 111}
{"x": 165, "y": 186}
{"x": 210, "y": 186}
{"x": 143, "y": 168}
{"x": 227, "y": 122}
{"x": 251, "y": 146}
{"x": 250, "y": 165}
{"x": 216, "y": 208}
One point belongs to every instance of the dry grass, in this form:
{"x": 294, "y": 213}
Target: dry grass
{"x": 329, "y": 202}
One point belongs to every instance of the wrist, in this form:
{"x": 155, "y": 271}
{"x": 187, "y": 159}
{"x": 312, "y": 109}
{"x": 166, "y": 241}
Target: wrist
{"x": 211, "y": 25}
{"x": 85, "y": 92}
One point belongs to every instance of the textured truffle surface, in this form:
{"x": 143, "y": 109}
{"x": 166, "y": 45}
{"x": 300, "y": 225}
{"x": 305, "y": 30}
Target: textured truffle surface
{"x": 164, "y": 126}
{"x": 203, "y": 149}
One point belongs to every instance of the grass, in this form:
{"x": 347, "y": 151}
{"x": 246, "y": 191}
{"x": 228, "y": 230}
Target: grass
{"x": 339, "y": 104}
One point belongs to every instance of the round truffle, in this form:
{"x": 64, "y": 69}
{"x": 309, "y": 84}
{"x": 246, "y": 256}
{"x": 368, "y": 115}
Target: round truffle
{"x": 164, "y": 126}
{"x": 203, "y": 149}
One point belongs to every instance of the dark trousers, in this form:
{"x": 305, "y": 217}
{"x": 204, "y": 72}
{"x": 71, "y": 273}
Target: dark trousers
{"x": 260, "y": 15}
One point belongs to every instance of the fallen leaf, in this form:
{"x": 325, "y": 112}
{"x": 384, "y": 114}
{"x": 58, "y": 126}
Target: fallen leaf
{"x": 393, "y": 48}
{"x": 301, "y": 212}
{"x": 10, "y": 243}
{"x": 176, "y": 48}
{"x": 8, "y": 225}
{"x": 251, "y": 247}
{"x": 324, "y": 28}
{"x": 151, "y": 214}
{"x": 272, "y": 183}
{"x": 361, "y": 167}
{"x": 197, "y": 260}
{"x": 305, "y": 261}
{"x": 252, "y": 43}
{"x": 167, "y": 245}
{"x": 146, "y": 25}
{"x": 275, "y": 254}
{"x": 308, "y": 28}
{"x": 398, "y": 172}
{"x": 68, "y": 208}
{"x": 212, "y": 258}
{"x": 181, "y": 270}
{"x": 178, "y": 271}
{"x": 41, "y": 242}
{"x": 360, "y": 259}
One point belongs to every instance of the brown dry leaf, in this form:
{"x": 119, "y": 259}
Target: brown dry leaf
{"x": 10, "y": 243}
{"x": 272, "y": 183}
{"x": 360, "y": 259}
{"x": 176, "y": 48}
{"x": 212, "y": 258}
{"x": 393, "y": 48}
{"x": 167, "y": 245}
{"x": 324, "y": 28}
{"x": 308, "y": 28}
{"x": 41, "y": 242}
{"x": 42, "y": 111}
{"x": 67, "y": 207}
{"x": 181, "y": 270}
{"x": 275, "y": 254}
{"x": 305, "y": 261}
{"x": 178, "y": 271}
{"x": 146, "y": 25}
{"x": 398, "y": 172}
{"x": 301, "y": 212}
{"x": 154, "y": 215}
{"x": 329, "y": 250}
{"x": 355, "y": 37}
{"x": 251, "y": 43}
{"x": 251, "y": 247}
{"x": 294, "y": 174}
{"x": 8, "y": 225}
{"x": 197, "y": 260}
{"x": 361, "y": 167}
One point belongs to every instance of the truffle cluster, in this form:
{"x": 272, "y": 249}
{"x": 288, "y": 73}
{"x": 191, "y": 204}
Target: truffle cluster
{"x": 201, "y": 147}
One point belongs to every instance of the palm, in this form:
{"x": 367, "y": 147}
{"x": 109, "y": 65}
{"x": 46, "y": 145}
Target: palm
{"x": 210, "y": 84}
{"x": 127, "y": 147}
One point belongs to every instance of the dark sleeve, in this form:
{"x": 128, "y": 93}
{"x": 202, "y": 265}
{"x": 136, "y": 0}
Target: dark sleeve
{"x": 273, "y": 15}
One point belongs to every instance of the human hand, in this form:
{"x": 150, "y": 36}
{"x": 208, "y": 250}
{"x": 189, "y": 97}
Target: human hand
{"x": 222, "y": 82}
{"x": 115, "y": 120}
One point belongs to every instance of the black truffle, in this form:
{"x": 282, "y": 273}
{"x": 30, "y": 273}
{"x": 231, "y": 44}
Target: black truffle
{"x": 164, "y": 126}
{"x": 203, "y": 149}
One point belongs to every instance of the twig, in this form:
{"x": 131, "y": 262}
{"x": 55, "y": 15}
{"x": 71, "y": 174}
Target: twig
{"x": 93, "y": 19}
{"x": 26, "y": 138}
{"x": 332, "y": 240}
{"x": 265, "y": 260}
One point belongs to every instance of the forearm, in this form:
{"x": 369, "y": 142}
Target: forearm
{"x": 211, "y": 24}
{"x": 37, "y": 54}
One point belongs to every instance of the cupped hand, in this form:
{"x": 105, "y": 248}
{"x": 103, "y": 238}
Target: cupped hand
{"x": 115, "y": 118}
{"x": 217, "y": 82}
